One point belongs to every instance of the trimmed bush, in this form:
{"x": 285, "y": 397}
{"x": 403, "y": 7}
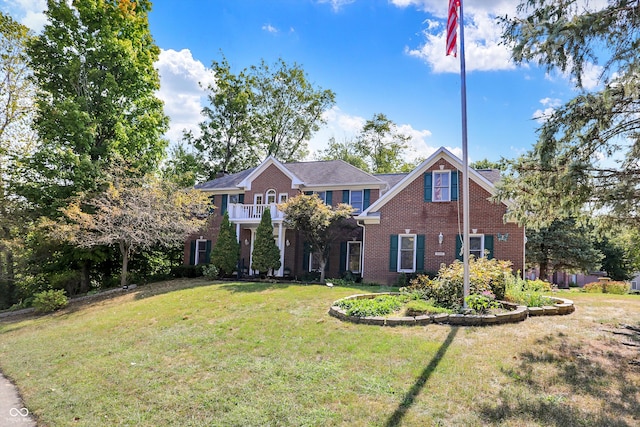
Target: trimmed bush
{"x": 607, "y": 287}
{"x": 49, "y": 301}
{"x": 210, "y": 271}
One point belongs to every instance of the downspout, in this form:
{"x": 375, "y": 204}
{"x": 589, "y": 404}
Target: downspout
{"x": 364, "y": 232}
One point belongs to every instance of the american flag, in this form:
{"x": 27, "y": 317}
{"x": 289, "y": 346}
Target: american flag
{"x": 452, "y": 28}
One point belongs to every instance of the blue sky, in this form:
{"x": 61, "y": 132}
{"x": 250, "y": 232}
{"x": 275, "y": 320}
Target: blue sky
{"x": 378, "y": 56}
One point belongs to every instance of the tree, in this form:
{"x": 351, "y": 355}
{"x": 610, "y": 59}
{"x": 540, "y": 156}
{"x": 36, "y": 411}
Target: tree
{"x": 184, "y": 168}
{"x": 487, "y": 164}
{"x": 93, "y": 65}
{"x": 288, "y": 109}
{"x": 227, "y": 137}
{"x": 133, "y": 214}
{"x": 382, "y": 145}
{"x": 266, "y": 255}
{"x": 226, "y": 251}
{"x": 345, "y": 150}
{"x": 587, "y": 150}
{"x": 261, "y": 111}
{"x": 16, "y": 139}
{"x": 320, "y": 224}
{"x": 563, "y": 245}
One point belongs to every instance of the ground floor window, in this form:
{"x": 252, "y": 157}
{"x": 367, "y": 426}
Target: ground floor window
{"x": 314, "y": 261}
{"x": 354, "y": 257}
{"x": 476, "y": 246}
{"x": 407, "y": 253}
{"x": 201, "y": 252}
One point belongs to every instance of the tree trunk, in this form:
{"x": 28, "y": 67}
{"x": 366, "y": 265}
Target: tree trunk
{"x": 323, "y": 263}
{"x": 544, "y": 270}
{"x": 84, "y": 277}
{"x": 124, "y": 250}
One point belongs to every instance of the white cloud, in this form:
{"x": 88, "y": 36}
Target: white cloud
{"x": 270, "y": 28}
{"x": 182, "y": 83}
{"x": 343, "y": 126}
{"x": 550, "y": 104}
{"x": 28, "y": 12}
{"x": 483, "y": 48}
{"x": 336, "y": 5}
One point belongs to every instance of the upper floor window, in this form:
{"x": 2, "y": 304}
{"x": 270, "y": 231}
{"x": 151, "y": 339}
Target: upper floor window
{"x": 271, "y": 196}
{"x": 441, "y": 186}
{"x": 234, "y": 198}
{"x": 356, "y": 200}
{"x": 258, "y": 199}
{"x": 283, "y": 197}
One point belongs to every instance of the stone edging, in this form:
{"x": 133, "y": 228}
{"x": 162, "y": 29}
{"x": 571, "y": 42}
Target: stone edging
{"x": 517, "y": 313}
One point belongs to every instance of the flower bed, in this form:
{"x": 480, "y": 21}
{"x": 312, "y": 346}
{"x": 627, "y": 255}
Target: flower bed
{"x": 514, "y": 313}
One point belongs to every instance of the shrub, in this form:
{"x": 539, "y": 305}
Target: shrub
{"x": 481, "y": 303}
{"x": 421, "y": 307}
{"x": 210, "y": 271}
{"x": 51, "y": 300}
{"x": 371, "y": 307}
{"x": 447, "y": 288}
{"x": 527, "y": 292}
{"x": 188, "y": 271}
{"x": 607, "y": 287}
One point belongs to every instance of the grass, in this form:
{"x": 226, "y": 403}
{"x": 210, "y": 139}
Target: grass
{"x": 197, "y": 353}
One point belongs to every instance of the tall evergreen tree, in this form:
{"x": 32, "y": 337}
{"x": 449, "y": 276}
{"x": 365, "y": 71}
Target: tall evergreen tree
{"x": 226, "y": 251}
{"x": 266, "y": 255}
{"x": 563, "y": 245}
{"x": 587, "y": 150}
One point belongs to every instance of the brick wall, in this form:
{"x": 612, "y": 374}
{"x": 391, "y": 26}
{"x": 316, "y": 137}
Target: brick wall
{"x": 408, "y": 211}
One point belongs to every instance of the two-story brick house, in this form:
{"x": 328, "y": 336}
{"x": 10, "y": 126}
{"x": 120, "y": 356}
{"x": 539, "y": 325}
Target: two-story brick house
{"x": 407, "y": 222}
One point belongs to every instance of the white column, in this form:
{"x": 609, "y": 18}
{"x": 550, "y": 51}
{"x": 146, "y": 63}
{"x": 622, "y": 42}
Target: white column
{"x": 281, "y": 245}
{"x": 253, "y": 234}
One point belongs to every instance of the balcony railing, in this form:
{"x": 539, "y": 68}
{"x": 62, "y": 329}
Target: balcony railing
{"x": 241, "y": 212}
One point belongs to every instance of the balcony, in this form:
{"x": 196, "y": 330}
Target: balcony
{"x": 240, "y": 213}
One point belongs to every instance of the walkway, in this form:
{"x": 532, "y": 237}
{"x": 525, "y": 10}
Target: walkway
{"x": 12, "y": 411}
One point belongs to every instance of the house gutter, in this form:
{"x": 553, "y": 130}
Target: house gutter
{"x": 364, "y": 233}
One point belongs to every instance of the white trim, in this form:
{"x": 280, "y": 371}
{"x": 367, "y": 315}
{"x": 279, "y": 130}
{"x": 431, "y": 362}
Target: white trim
{"x": 441, "y": 153}
{"x": 280, "y": 196}
{"x": 196, "y": 258}
{"x": 349, "y": 243}
{"x": 269, "y": 192}
{"x": 248, "y": 180}
{"x": 361, "y": 200}
{"x": 481, "y": 236}
{"x": 433, "y": 186}
{"x": 255, "y": 199}
{"x": 415, "y": 249}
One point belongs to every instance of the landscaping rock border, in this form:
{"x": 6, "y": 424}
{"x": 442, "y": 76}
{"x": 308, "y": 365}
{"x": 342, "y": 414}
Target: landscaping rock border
{"x": 516, "y": 313}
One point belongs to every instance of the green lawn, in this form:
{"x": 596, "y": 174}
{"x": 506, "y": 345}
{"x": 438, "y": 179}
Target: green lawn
{"x": 196, "y": 353}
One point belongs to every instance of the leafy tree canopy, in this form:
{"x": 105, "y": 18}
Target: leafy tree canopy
{"x": 133, "y": 214}
{"x": 265, "y": 110}
{"x": 320, "y": 224}
{"x": 93, "y": 65}
{"x": 588, "y": 149}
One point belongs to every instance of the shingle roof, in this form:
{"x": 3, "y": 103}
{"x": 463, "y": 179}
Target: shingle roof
{"x": 330, "y": 172}
{"x": 313, "y": 174}
{"x": 225, "y": 182}
{"x": 390, "y": 178}
{"x": 492, "y": 175}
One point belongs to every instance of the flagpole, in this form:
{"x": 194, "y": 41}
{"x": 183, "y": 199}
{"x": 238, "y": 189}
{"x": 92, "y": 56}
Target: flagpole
{"x": 465, "y": 162}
